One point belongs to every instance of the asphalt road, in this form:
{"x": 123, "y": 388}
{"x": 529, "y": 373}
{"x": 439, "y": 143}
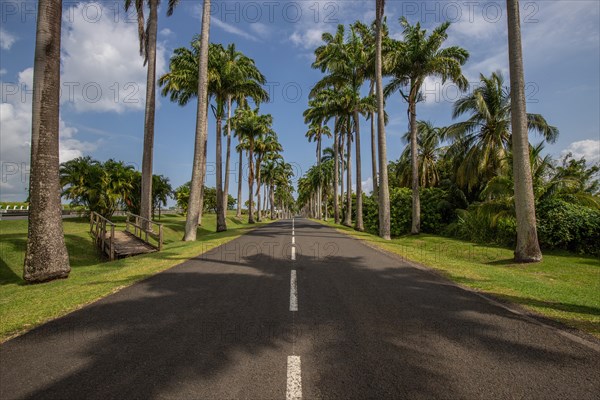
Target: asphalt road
{"x": 331, "y": 319}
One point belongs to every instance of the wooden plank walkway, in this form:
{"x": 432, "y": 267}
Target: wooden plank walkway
{"x": 117, "y": 244}
{"x": 126, "y": 244}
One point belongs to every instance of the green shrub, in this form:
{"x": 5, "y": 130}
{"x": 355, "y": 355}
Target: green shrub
{"x": 436, "y": 211}
{"x": 568, "y": 226}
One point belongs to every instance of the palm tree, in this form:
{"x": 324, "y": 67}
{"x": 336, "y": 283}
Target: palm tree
{"x": 418, "y": 57}
{"x": 316, "y": 131}
{"x": 325, "y": 59}
{"x": 266, "y": 147}
{"x": 233, "y": 77}
{"x": 323, "y": 107}
{"x": 236, "y": 76}
{"x": 197, "y": 182}
{"x": 147, "y": 38}
{"x": 46, "y": 256}
{"x": 528, "y": 248}
{"x": 384, "y": 191}
{"x": 249, "y": 85}
{"x": 483, "y": 142}
{"x": 250, "y": 126}
{"x": 429, "y": 139}
{"x": 348, "y": 65}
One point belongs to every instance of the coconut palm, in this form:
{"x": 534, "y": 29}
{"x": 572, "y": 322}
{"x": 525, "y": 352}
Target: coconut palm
{"x": 483, "y": 142}
{"x": 528, "y": 248}
{"x": 147, "y": 33}
{"x": 429, "y": 139}
{"x": 420, "y": 56}
{"x": 46, "y": 256}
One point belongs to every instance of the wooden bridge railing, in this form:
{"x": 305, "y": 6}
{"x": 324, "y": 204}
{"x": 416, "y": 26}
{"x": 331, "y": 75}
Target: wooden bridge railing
{"x": 103, "y": 232}
{"x": 144, "y": 229}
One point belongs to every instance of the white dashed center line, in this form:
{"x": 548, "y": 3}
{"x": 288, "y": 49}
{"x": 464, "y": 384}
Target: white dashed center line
{"x": 294, "y": 379}
{"x": 293, "y": 292}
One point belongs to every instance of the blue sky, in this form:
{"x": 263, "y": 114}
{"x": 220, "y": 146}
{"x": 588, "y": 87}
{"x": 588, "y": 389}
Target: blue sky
{"x": 103, "y": 79}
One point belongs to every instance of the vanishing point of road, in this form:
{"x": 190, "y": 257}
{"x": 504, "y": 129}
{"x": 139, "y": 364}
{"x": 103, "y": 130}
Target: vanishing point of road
{"x": 297, "y": 310}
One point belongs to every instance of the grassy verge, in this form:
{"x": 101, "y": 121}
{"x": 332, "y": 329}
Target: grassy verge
{"x": 24, "y": 306}
{"x": 564, "y": 287}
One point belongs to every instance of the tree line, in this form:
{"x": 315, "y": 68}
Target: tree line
{"x": 480, "y": 178}
{"x": 220, "y": 78}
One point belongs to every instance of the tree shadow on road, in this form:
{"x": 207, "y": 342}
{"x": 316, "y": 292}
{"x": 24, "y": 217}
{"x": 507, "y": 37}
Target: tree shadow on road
{"x": 219, "y": 326}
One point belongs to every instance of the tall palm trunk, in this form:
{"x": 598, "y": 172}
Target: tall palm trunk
{"x": 250, "y": 184}
{"x": 221, "y": 223}
{"x": 239, "y": 179}
{"x": 265, "y": 202}
{"x": 227, "y": 159}
{"x": 342, "y": 169}
{"x": 195, "y": 203}
{"x": 373, "y": 147}
{"x": 201, "y": 199}
{"x": 320, "y": 188}
{"x": 325, "y": 204}
{"x": 527, "y": 249}
{"x": 146, "y": 196}
{"x": 46, "y": 257}
{"x": 258, "y": 183}
{"x": 272, "y": 196}
{"x": 384, "y": 191}
{"x": 336, "y": 174}
{"x": 414, "y": 160}
{"x": 348, "y": 219}
{"x": 359, "y": 226}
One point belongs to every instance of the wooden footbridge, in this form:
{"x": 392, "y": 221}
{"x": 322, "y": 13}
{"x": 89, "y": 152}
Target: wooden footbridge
{"x": 140, "y": 236}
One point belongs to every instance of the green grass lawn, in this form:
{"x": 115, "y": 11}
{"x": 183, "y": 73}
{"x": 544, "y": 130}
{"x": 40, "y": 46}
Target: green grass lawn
{"x": 564, "y": 287}
{"x": 24, "y": 306}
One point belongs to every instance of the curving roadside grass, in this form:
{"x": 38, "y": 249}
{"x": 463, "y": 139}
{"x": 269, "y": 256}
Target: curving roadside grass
{"x": 564, "y": 287}
{"x": 24, "y": 306}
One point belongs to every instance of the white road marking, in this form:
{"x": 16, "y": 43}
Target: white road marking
{"x": 293, "y": 253}
{"x": 293, "y": 240}
{"x": 294, "y": 379}
{"x": 293, "y": 292}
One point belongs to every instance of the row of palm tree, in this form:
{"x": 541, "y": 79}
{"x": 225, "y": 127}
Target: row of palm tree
{"x": 347, "y": 63}
{"x": 368, "y": 53}
{"x": 233, "y": 78}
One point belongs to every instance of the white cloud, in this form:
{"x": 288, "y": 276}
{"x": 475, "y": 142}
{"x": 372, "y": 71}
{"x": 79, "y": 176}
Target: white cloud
{"x": 261, "y": 30}
{"x": 367, "y": 186}
{"x": 588, "y": 149}
{"x": 232, "y": 29}
{"x": 166, "y": 32}
{"x": 15, "y": 125}
{"x": 3, "y": 71}
{"x": 6, "y": 39}
{"x": 102, "y": 69}
{"x": 308, "y": 39}
{"x": 26, "y": 77}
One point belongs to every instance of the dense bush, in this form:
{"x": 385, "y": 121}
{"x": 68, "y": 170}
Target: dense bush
{"x": 568, "y": 226}
{"x": 436, "y": 211}
{"x": 561, "y": 225}
{"x": 476, "y": 225}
